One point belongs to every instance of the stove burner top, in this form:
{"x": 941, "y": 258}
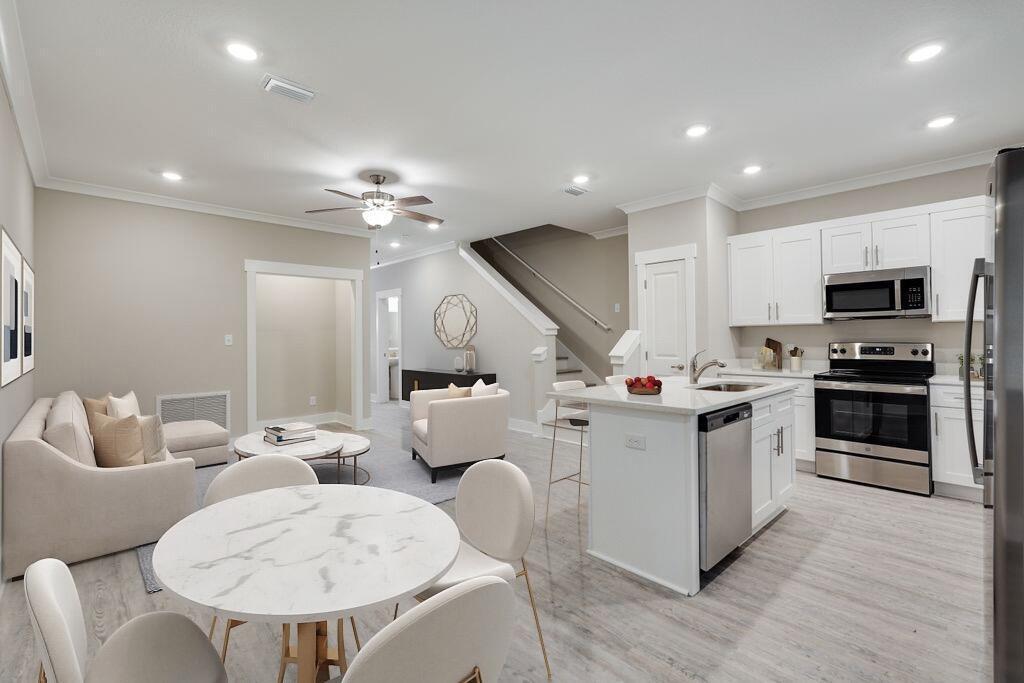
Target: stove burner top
{"x": 849, "y": 375}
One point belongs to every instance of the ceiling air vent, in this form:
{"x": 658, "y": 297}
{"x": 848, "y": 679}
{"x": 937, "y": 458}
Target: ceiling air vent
{"x": 278, "y": 85}
{"x": 575, "y": 190}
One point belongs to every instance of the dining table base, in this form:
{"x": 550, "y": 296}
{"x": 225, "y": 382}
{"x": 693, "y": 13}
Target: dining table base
{"x": 315, "y": 667}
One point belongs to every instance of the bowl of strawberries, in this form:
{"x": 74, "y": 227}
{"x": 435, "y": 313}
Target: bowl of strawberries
{"x": 644, "y": 386}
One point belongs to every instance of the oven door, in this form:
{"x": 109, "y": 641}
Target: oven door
{"x": 861, "y": 299}
{"x": 887, "y": 421}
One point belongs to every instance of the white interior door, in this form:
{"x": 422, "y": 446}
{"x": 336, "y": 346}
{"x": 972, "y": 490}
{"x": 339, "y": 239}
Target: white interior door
{"x": 667, "y": 315}
{"x": 388, "y": 338}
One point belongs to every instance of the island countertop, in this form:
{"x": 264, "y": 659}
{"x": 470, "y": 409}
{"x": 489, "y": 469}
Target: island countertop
{"x": 677, "y": 396}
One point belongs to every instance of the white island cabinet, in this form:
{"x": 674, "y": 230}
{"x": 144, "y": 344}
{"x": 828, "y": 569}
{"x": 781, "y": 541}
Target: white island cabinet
{"x": 644, "y": 494}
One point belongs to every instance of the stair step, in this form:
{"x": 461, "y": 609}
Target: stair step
{"x": 567, "y": 372}
{"x": 591, "y": 384}
{"x": 561, "y": 357}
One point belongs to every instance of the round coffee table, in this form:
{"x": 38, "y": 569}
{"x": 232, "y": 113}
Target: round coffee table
{"x": 327, "y": 445}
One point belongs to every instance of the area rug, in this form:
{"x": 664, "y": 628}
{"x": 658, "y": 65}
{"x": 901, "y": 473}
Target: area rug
{"x": 389, "y": 467}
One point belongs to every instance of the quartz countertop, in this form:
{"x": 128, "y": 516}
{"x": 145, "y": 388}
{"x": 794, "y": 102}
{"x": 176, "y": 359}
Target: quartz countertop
{"x": 954, "y": 380}
{"x": 803, "y": 374}
{"x": 677, "y": 396}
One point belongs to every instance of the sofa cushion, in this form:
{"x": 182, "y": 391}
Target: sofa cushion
{"x": 67, "y": 429}
{"x": 190, "y": 435}
{"x": 124, "y": 406}
{"x": 118, "y": 441}
{"x": 481, "y": 389}
{"x": 419, "y": 429}
{"x": 154, "y": 447}
{"x": 94, "y": 406}
{"x": 459, "y": 392}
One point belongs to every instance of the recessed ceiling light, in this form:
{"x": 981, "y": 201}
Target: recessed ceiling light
{"x": 395, "y": 244}
{"x": 433, "y": 226}
{"x": 242, "y": 51}
{"x": 171, "y": 175}
{"x": 753, "y": 169}
{"x": 924, "y": 53}
{"x": 941, "y": 121}
{"x": 580, "y": 179}
{"x": 696, "y": 130}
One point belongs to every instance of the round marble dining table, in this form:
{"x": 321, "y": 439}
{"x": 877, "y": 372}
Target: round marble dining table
{"x": 305, "y": 555}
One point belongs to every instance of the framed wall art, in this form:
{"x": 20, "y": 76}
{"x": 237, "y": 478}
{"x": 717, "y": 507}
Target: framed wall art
{"x": 10, "y": 309}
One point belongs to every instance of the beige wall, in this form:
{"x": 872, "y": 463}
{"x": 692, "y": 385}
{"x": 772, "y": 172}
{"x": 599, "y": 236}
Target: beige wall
{"x": 593, "y": 272}
{"x": 296, "y": 356}
{"x": 134, "y": 296}
{"x": 947, "y": 337}
{"x": 504, "y": 337}
{"x": 16, "y": 216}
{"x": 343, "y": 304}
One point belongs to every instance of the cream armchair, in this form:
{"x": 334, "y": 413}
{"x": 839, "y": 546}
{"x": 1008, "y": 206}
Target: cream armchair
{"x": 453, "y": 432}
{"x": 57, "y": 506}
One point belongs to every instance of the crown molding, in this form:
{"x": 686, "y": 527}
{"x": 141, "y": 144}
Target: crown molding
{"x": 14, "y": 69}
{"x": 675, "y": 197}
{"x": 419, "y": 253}
{"x": 895, "y": 175}
{"x": 198, "y": 207}
{"x": 609, "y": 232}
{"x": 724, "y": 197}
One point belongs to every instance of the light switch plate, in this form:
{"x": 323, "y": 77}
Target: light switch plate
{"x": 617, "y": 308}
{"x": 312, "y": 400}
{"x": 228, "y": 340}
{"x": 636, "y": 442}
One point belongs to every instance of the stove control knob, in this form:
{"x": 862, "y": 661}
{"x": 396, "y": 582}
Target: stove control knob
{"x": 924, "y": 352}
{"x": 842, "y": 350}
{"x": 913, "y": 352}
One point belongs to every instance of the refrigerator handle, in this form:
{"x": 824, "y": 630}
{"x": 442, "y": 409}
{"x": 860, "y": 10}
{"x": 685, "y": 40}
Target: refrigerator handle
{"x": 972, "y": 447}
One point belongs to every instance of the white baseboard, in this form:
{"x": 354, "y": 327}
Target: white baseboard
{"x": 318, "y": 418}
{"x": 373, "y": 398}
{"x": 525, "y": 426}
{"x": 805, "y": 465}
{"x": 968, "y": 493}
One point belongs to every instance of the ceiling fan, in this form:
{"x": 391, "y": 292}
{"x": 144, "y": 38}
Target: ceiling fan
{"x": 379, "y": 207}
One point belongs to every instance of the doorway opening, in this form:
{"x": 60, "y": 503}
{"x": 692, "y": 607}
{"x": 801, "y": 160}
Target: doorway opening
{"x": 666, "y": 308}
{"x": 388, "y": 346}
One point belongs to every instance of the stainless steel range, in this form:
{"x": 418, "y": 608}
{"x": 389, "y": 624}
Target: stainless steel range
{"x": 871, "y": 415}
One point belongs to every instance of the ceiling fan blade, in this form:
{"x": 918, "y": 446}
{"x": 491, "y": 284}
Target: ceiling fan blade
{"x": 418, "y": 200}
{"x": 416, "y": 216}
{"x": 338, "y": 208}
{"x": 344, "y": 194}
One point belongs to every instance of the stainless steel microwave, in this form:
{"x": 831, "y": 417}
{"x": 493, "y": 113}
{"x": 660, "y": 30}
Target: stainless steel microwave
{"x": 895, "y": 293}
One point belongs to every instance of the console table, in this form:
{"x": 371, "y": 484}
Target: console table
{"x": 414, "y": 380}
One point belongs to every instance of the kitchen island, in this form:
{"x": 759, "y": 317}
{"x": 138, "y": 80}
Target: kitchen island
{"x": 644, "y": 495}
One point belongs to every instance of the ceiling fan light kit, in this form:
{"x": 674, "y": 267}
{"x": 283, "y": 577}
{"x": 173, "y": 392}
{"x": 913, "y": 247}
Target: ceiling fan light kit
{"x": 379, "y": 208}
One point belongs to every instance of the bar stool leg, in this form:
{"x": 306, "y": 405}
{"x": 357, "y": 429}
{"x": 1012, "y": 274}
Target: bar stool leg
{"x": 551, "y": 467}
{"x": 579, "y": 477}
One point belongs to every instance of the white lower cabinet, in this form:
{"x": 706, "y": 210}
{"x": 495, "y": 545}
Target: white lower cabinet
{"x": 773, "y": 470}
{"x": 803, "y": 428}
{"x": 950, "y": 458}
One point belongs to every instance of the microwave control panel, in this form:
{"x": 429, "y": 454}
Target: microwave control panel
{"x": 912, "y": 294}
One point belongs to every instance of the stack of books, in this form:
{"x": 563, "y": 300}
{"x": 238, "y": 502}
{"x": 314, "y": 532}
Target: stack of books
{"x": 292, "y": 432}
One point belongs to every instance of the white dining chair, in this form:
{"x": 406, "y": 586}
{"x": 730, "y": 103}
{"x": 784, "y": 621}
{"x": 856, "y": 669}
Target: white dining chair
{"x": 460, "y": 635}
{"x": 159, "y": 647}
{"x": 575, "y": 416}
{"x": 494, "y": 512}
{"x": 616, "y": 380}
{"x": 260, "y": 473}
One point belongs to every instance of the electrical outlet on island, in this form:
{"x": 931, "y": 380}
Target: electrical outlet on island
{"x": 636, "y": 442}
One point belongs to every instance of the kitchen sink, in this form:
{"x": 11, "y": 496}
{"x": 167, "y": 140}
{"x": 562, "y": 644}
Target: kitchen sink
{"x": 729, "y": 387}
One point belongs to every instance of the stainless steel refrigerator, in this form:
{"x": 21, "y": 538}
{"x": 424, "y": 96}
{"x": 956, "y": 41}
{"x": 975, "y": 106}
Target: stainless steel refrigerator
{"x": 1000, "y": 466}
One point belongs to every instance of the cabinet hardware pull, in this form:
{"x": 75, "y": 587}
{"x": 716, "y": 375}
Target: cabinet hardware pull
{"x": 865, "y": 257}
{"x": 782, "y": 439}
{"x": 876, "y": 255}
{"x": 769, "y": 310}
{"x": 776, "y": 310}
{"x": 936, "y": 417}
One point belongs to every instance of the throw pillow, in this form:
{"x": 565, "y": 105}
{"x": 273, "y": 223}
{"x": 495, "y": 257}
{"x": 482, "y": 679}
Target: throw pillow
{"x": 459, "y": 392}
{"x": 153, "y": 445}
{"x": 124, "y": 406}
{"x": 481, "y": 389}
{"x": 118, "y": 441}
{"x": 94, "y": 406}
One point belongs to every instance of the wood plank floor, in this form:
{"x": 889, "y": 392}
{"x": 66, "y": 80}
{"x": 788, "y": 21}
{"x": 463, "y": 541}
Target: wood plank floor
{"x": 851, "y": 583}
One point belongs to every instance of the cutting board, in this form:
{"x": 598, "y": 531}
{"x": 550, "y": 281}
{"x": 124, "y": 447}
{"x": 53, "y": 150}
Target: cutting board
{"x": 777, "y": 348}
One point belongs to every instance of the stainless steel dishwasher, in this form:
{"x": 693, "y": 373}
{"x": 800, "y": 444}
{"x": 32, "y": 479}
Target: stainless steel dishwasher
{"x": 724, "y": 455}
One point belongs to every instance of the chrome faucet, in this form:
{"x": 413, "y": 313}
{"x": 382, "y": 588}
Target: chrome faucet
{"x": 696, "y": 372}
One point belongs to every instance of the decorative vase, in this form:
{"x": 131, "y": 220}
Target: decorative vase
{"x": 459, "y": 364}
{"x": 470, "y": 358}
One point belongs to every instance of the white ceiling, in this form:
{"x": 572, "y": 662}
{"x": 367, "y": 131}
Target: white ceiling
{"x": 489, "y": 107}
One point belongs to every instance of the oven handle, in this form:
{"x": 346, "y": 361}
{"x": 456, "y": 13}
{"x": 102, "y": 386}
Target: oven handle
{"x": 972, "y": 447}
{"x": 913, "y": 389}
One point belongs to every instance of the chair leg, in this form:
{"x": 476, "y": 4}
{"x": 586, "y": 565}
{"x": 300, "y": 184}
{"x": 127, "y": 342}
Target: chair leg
{"x": 342, "y": 656}
{"x": 230, "y": 624}
{"x": 551, "y": 466}
{"x": 42, "y": 673}
{"x": 213, "y": 625}
{"x": 396, "y": 612}
{"x": 355, "y": 634}
{"x": 536, "y": 619}
{"x": 286, "y": 646}
{"x": 579, "y": 479}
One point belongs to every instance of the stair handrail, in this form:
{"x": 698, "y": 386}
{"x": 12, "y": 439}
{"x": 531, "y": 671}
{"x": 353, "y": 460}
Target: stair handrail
{"x": 579, "y": 307}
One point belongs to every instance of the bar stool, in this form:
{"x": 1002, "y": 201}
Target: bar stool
{"x": 575, "y": 417}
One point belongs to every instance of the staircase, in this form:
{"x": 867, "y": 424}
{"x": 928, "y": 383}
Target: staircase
{"x": 569, "y": 367}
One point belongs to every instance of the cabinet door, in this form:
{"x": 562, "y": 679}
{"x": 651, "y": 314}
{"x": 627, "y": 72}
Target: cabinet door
{"x": 846, "y": 249}
{"x": 750, "y": 278}
{"x": 901, "y": 242}
{"x": 796, "y": 274}
{"x": 783, "y": 465}
{"x": 762, "y": 455}
{"x": 958, "y": 237}
{"x": 803, "y": 428}
{"x": 951, "y": 463}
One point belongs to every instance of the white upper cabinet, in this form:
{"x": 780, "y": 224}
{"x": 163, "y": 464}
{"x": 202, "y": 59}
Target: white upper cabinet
{"x": 846, "y": 249}
{"x": 958, "y": 237}
{"x": 901, "y": 242}
{"x": 796, "y": 276}
{"x": 750, "y": 277}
